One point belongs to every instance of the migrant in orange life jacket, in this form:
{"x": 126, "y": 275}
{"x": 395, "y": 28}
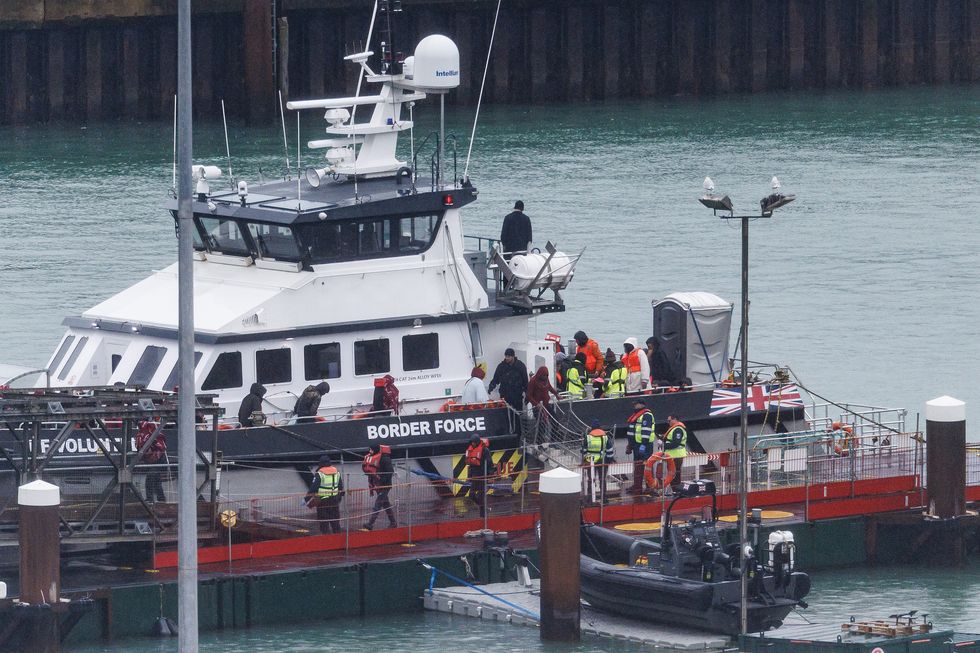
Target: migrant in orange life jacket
{"x": 631, "y": 361}
{"x": 475, "y": 453}
{"x": 594, "y": 359}
{"x": 371, "y": 460}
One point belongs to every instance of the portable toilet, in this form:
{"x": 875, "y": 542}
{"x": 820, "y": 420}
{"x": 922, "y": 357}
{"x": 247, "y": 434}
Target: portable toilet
{"x": 693, "y": 330}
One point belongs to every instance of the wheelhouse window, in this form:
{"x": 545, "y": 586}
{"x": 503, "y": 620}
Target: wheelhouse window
{"x": 274, "y": 241}
{"x": 420, "y": 352}
{"x": 226, "y": 372}
{"x": 60, "y": 355}
{"x": 171, "y": 382}
{"x": 147, "y": 366}
{"x": 76, "y": 352}
{"x": 325, "y": 242}
{"x": 224, "y": 236}
{"x": 322, "y": 361}
{"x": 371, "y": 357}
{"x": 274, "y": 365}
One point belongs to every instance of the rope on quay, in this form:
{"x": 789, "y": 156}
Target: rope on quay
{"x": 432, "y": 582}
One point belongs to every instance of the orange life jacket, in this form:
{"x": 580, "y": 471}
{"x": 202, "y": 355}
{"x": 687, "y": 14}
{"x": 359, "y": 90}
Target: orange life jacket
{"x": 594, "y": 360}
{"x": 372, "y": 460}
{"x": 474, "y": 454}
{"x": 631, "y": 361}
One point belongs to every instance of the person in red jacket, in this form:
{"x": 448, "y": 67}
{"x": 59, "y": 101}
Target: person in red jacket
{"x": 539, "y": 388}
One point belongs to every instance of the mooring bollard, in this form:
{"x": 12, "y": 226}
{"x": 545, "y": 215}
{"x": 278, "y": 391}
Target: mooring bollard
{"x": 561, "y": 611}
{"x": 946, "y": 457}
{"x": 40, "y": 562}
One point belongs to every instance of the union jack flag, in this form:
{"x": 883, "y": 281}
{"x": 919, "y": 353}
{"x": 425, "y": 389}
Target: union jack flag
{"x": 760, "y": 397}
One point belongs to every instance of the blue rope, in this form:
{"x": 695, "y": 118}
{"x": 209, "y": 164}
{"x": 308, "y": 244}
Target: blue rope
{"x": 533, "y": 615}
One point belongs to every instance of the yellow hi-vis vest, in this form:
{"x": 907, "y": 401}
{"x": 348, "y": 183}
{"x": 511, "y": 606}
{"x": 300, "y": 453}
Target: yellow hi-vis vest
{"x": 642, "y": 434}
{"x": 329, "y": 482}
{"x": 595, "y": 445}
{"x": 576, "y": 383}
{"x": 675, "y": 441}
{"x": 616, "y": 386}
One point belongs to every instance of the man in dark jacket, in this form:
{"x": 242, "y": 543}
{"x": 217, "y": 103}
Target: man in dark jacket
{"x": 511, "y": 376}
{"x": 377, "y": 465}
{"x": 515, "y": 235}
{"x": 308, "y": 403}
{"x": 251, "y": 404}
{"x": 660, "y": 371}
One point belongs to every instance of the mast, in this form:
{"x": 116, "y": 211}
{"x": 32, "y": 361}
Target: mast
{"x": 186, "y": 436}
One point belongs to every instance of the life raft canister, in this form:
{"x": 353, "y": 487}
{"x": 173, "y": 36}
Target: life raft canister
{"x": 659, "y": 470}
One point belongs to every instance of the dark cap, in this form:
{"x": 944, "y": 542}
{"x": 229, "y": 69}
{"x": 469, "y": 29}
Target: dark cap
{"x": 639, "y": 403}
{"x": 519, "y": 205}
{"x": 509, "y": 352}
{"x": 474, "y": 438}
{"x": 325, "y": 460}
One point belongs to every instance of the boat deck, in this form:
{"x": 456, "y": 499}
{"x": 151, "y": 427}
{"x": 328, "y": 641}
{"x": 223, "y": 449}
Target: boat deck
{"x": 870, "y": 636}
{"x": 525, "y": 601}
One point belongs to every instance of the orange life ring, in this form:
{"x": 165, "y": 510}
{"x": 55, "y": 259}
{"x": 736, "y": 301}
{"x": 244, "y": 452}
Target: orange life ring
{"x": 664, "y": 465}
{"x": 447, "y": 407}
{"x": 846, "y": 442}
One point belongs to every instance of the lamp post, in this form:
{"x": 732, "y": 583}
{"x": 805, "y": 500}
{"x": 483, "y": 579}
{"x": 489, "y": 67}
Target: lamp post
{"x": 721, "y": 206}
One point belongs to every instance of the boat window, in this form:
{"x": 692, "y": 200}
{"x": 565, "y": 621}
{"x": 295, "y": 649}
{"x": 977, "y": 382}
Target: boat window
{"x": 274, "y": 365}
{"x": 76, "y": 352}
{"x": 420, "y": 352}
{"x": 339, "y": 241}
{"x": 226, "y": 372}
{"x": 476, "y": 339}
{"x": 224, "y": 236}
{"x": 274, "y": 241}
{"x": 146, "y": 366}
{"x": 114, "y": 362}
{"x": 172, "y": 378}
{"x": 322, "y": 361}
{"x": 62, "y": 350}
{"x": 415, "y": 233}
{"x": 371, "y": 356}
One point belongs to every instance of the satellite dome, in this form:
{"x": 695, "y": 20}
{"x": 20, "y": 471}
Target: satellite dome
{"x": 436, "y": 64}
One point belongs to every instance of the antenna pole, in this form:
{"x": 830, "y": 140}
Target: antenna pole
{"x": 299, "y": 166}
{"x": 186, "y": 434}
{"x": 357, "y": 93}
{"x": 442, "y": 137}
{"x": 479, "y": 101}
{"x": 224, "y": 120}
{"x": 285, "y": 146}
{"x": 174, "y": 185}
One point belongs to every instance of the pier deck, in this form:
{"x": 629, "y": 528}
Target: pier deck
{"x": 469, "y": 602}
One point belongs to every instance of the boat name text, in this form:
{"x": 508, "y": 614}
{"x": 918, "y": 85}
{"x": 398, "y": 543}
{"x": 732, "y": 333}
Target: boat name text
{"x": 410, "y": 429}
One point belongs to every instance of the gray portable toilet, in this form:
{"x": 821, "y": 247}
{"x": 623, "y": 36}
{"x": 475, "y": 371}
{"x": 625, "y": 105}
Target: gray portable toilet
{"x": 693, "y": 330}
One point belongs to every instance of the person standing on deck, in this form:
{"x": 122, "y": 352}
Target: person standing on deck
{"x": 616, "y": 377}
{"x": 308, "y": 403}
{"x": 661, "y": 373}
{"x": 511, "y": 377}
{"x": 250, "y": 405}
{"x": 640, "y": 437}
{"x": 637, "y": 367}
{"x": 325, "y": 493}
{"x": 597, "y": 454}
{"x": 593, "y": 355}
{"x": 675, "y": 446}
{"x": 474, "y": 392}
{"x": 478, "y": 461}
{"x": 515, "y": 234}
{"x": 379, "y": 470}
{"x": 539, "y": 389}
{"x": 575, "y": 377}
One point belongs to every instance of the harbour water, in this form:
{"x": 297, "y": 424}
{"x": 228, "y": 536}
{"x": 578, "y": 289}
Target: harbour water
{"x": 866, "y": 285}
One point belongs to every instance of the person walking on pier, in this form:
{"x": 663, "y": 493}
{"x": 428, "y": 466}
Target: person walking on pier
{"x": 325, "y": 493}
{"x": 637, "y": 367}
{"x": 308, "y": 403}
{"x": 377, "y": 465}
{"x": 478, "y": 459}
{"x": 675, "y": 446}
{"x": 597, "y": 454}
{"x": 640, "y": 441}
{"x": 511, "y": 377}
{"x": 515, "y": 234}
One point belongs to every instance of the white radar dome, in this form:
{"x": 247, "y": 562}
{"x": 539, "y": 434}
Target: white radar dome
{"x": 436, "y": 64}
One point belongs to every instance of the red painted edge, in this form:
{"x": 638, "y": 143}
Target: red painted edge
{"x": 827, "y": 501}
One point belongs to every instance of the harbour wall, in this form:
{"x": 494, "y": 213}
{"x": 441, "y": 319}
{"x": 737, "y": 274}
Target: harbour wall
{"x": 116, "y": 59}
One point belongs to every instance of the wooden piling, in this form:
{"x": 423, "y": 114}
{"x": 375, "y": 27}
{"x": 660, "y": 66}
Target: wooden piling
{"x": 259, "y": 61}
{"x": 93, "y": 74}
{"x": 939, "y": 72}
{"x": 830, "y": 26}
{"x": 561, "y": 610}
{"x": 795, "y": 43}
{"x": 758, "y": 42}
{"x": 40, "y": 563}
{"x": 575, "y": 65}
{"x": 868, "y": 31}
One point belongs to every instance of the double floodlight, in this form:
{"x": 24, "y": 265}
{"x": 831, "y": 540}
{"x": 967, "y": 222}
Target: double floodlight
{"x": 767, "y": 204}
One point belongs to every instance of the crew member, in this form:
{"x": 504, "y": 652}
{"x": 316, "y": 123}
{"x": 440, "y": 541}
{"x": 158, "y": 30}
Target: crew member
{"x": 637, "y": 367}
{"x": 153, "y": 455}
{"x": 640, "y": 440}
{"x": 379, "y": 470}
{"x": 660, "y": 371}
{"x": 616, "y": 377}
{"x": 325, "y": 493}
{"x": 593, "y": 355}
{"x": 598, "y": 453}
{"x": 575, "y": 377}
{"x": 474, "y": 392}
{"x": 309, "y": 402}
{"x": 252, "y": 404}
{"x": 511, "y": 377}
{"x": 478, "y": 462}
{"x": 515, "y": 234}
{"x": 675, "y": 446}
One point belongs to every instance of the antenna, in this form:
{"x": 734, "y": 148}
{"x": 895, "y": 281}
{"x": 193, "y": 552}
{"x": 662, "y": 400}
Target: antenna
{"x": 357, "y": 93}
{"x": 224, "y": 120}
{"x": 174, "y": 187}
{"x": 479, "y": 101}
{"x": 299, "y": 166}
{"x": 285, "y": 147}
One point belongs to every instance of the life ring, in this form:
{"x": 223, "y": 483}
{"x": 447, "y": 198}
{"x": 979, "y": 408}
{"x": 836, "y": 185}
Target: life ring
{"x": 665, "y": 469}
{"x": 845, "y": 441}
{"x": 447, "y": 407}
